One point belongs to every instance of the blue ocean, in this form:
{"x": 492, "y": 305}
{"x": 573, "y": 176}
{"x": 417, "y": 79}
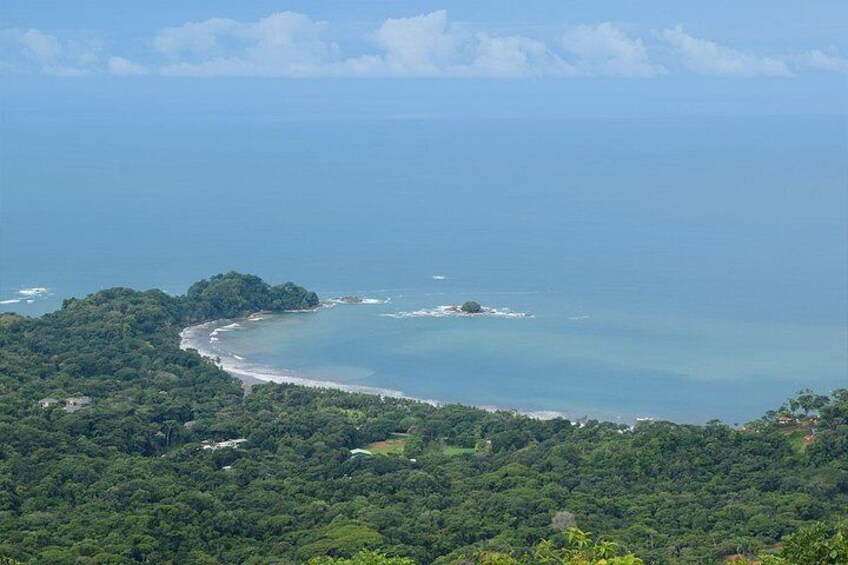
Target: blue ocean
{"x": 679, "y": 268}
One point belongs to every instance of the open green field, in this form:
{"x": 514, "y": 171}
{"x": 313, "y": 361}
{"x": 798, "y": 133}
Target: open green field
{"x": 396, "y": 443}
{"x": 452, "y": 450}
{"x": 385, "y": 447}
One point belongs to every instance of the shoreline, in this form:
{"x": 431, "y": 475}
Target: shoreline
{"x": 198, "y": 337}
{"x": 201, "y": 338}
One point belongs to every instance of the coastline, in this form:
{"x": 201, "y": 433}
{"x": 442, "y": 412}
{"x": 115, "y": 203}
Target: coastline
{"x": 198, "y": 337}
{"x": 202, "y": 337}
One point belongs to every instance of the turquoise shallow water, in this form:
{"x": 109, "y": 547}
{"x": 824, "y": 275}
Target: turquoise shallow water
{"x": 676, "y": 268}
{"x": 570, "y": 357}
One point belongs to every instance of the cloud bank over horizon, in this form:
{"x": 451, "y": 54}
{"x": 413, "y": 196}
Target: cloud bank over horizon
{"x": 293, "y": 45}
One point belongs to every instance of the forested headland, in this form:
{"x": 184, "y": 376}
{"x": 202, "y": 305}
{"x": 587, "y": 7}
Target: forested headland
{"x": 137, "y": 472}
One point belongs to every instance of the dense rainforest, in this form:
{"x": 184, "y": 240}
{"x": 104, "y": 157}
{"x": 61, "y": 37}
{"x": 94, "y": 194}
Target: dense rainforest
{"x": 111, "y": 452}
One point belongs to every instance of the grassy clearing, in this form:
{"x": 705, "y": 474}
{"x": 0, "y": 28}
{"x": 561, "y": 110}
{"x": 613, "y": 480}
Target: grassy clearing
{"x": 453, "y": 451}
{"x": 800, "y": 435}
{"x": 391, "y": 445}
{"x": 397, "y": 442}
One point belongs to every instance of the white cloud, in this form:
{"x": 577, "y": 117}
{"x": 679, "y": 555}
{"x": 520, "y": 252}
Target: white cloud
{"x": 606, "y": 50}
{"x": 429, "y": 45}
{"x": 515, "y": 56}
{"x": 39, "y": 46}
{"x": 50, "y": 55}
{"x": 289, "y": 44}
{"x": 706, "y": 57}
{"x": 821, "y": 60}
{"x": 195, "y": 38}
{"x": 282, "y": 44}
{"x": 420, "y": 45}
{"x": 124, "y": 67}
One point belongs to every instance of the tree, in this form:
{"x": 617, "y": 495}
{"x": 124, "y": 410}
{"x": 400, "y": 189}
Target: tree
{"x": 563, "y": 520}
{"x": 808, "y": 401}
{"x": 817, "y": 545}
{"x": 363, "y": 558}
{"x": 126, "y": 478}
{"x": 471, "y": 307}
{"x": 580, "y": 550}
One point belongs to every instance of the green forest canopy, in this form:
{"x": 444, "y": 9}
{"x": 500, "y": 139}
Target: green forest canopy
{"x": 127, "y": 480}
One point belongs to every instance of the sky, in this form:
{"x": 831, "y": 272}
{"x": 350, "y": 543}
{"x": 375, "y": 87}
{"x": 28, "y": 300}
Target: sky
{"x": 125, "y": 61}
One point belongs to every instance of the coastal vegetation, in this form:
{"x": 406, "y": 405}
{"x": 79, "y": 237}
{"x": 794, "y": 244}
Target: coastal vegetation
{"x": 126, "y": 478}
{"x": 471, "y": 307}
{"x": 233, "y": 295}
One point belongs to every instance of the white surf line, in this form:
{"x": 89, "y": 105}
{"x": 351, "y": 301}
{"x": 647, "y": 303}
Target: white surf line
{"x": 197, "y": 337}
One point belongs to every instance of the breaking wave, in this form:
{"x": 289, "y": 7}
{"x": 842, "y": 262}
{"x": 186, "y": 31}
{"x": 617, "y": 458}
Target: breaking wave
{"x": 331, "y": 302}
{"x": 28, "y": 295}
{"x": 35, "y": 291}
{"x": 456, "y": 311}
{"x": 200, "y": 339}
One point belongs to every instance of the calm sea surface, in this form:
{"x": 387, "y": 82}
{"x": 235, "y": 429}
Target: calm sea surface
{"x": 683, "y": 269}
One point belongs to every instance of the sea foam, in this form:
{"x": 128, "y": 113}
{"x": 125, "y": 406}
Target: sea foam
{"x": 34, "y": 291}
{"x": 353, "y": 300}
{"x": 200, "y": 339}
{"x": 456, "y": 311}
{"x": 193, "y": 338}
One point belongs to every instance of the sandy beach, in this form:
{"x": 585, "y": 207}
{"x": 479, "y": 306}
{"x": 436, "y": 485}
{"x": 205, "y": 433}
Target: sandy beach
{"x": 203, "y": 338}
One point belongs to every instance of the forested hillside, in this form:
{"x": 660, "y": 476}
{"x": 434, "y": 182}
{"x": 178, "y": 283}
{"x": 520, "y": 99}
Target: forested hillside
{"x": 134, "y": 474}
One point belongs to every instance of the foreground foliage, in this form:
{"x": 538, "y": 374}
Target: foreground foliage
{"x": 580, "y": 550}
{"x": 126, "y": 480}
{"x": 813, "y": 545}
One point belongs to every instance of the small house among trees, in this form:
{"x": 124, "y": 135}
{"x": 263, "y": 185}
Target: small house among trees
{"x": 76, "y": 402}
{"x": 71, "y": 404}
